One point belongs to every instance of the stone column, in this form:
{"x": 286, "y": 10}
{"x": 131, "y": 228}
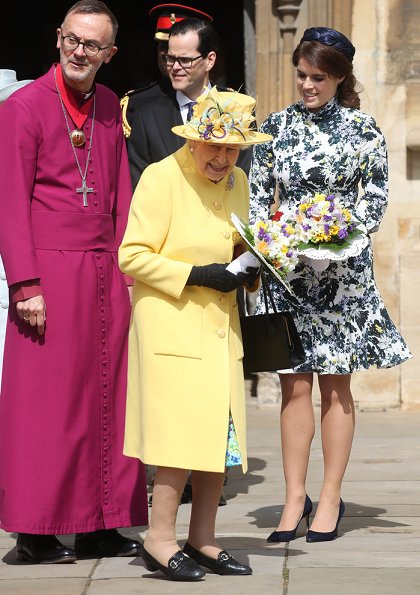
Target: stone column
{"x": 267, "y": 47}
{"x": 287, "y": 12}
{"x": 250, "y": 47}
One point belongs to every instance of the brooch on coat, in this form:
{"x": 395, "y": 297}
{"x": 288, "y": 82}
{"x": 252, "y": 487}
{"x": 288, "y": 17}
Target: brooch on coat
{"x": 230, "y": 184}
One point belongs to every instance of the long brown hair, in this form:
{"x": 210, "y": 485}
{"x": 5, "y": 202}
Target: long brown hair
{"x": 334, "y": 63}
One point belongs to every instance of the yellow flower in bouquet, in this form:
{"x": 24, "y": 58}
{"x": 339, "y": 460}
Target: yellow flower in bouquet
{"x": 322, "y": 219}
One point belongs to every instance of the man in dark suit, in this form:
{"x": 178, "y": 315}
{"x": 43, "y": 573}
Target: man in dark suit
{"x": 191, "y": 55}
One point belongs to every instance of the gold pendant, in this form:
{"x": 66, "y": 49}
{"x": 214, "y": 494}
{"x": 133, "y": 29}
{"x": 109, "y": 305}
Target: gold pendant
{"x": 78, "y": 138}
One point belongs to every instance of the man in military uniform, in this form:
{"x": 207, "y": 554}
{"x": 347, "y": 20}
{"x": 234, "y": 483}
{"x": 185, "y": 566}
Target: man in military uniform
{"x": 149, "y": 115}
{"x": 166, "y": 15}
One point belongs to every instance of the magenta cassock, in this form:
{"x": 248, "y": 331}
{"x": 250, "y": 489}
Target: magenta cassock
{"x": 63, "y": 395}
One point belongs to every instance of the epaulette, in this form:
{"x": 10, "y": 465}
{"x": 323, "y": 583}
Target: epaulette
{"x": 124, "y": 105}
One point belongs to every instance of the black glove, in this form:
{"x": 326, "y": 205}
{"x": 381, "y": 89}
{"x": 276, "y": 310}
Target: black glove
{"x": 216, "y": 277}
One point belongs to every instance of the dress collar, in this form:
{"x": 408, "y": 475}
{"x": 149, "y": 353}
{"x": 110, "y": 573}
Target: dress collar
{"x": 324, "y": 113}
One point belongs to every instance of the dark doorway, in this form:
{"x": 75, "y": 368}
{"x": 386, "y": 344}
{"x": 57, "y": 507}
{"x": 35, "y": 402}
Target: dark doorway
{"x": 28, "y": 41}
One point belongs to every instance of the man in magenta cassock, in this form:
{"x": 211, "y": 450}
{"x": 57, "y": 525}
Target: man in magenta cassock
{"x": 64, "y": 200}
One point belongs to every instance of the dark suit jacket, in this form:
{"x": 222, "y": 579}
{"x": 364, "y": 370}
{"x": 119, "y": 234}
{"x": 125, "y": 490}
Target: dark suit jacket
{"x": 151, "y": 114}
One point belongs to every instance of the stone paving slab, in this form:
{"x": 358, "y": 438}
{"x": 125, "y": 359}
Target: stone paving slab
{"x": 377, "y": 553}
{"x": 344, "y": 581}
{"x": 50, "y": 586}
{"x": 154, "y": 584}
{"x": 12, "y": 570}
{"x": 328, "y": 557}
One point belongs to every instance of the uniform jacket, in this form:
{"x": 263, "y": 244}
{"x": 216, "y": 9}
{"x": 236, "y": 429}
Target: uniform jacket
{"x": 185, "y": 347}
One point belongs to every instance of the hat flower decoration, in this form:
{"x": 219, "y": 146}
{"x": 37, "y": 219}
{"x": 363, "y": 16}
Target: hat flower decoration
{"x": 223, "y": 117}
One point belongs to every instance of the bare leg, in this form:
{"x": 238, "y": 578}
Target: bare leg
{"x": 206, "y": 490}
{"x": 297, "y": 425}
{"x": 337, "y": 430}
{"x": 160, "y": 539}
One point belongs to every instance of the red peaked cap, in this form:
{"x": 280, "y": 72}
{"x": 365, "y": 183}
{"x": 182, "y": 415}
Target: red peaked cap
{"x": 169, "y": 14}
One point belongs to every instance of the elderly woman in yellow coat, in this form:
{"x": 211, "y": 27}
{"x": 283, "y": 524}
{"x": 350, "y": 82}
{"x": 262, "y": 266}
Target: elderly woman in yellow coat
{"x": 186, "y": 396}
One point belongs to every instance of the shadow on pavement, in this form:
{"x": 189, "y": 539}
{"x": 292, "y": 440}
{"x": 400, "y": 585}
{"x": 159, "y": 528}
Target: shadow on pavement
{"x": 239, "y": 483}
{"x": 356, "y": 517}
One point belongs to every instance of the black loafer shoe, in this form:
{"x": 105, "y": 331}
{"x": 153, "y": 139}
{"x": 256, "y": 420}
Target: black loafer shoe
{"x": 42, "y": 549}
{"x": 225, "y": 563}
{"x": 106, "y": 543}
{"x": 180, "y": 567}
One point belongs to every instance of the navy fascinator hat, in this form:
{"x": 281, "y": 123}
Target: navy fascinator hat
{"x": 330, "y": 37}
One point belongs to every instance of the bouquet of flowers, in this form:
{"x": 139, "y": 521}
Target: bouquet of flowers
{"x": 274, "y": 242}
{"x": 326, "y": 230}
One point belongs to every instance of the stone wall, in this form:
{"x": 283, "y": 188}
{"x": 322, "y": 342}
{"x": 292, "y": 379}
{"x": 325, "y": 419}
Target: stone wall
{"x": 386, "y": 34}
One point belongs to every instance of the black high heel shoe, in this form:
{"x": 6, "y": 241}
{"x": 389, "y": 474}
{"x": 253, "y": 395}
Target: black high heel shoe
{"x": 180, "y": 567}
{"x": 282, "y": 536}
{"x": 316, "y": 536}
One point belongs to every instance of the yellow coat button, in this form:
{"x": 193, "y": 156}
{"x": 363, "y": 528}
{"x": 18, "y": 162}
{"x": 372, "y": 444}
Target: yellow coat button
{"x": 221, "y": 334}
{"x": 223, "y": 299}
{"x": 217, "y": 206}
{"x": 226, "y": 235}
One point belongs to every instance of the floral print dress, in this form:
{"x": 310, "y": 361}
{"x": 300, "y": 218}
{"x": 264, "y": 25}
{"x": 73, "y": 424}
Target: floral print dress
{"x": 339, "y": 312}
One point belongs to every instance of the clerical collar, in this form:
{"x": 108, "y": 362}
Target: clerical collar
{"x": 82, "y": 97}
{"x": 76, "y": 103}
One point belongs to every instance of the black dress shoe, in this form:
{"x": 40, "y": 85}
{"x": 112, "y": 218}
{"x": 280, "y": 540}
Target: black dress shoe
{"x": 106, "y": 543}
{"x": 180, "y": 567}
{"x": 42, "y": 549}
{"x": 225, "y": 563}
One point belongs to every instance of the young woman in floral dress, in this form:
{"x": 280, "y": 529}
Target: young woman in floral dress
{"x": 325, "y": 144}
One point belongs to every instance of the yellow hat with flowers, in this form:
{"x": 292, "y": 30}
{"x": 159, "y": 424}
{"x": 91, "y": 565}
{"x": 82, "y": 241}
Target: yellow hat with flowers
{"x": 223, "y": 117}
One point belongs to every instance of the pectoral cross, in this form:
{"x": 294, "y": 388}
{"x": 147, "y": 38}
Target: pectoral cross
{"x": 84, "y": 190}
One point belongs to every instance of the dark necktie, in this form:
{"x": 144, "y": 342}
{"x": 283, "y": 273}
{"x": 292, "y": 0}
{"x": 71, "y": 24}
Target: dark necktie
{"x": 191, "y": 105}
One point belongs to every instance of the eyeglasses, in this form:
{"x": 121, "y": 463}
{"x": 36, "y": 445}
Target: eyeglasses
{"x": 90, "y": 48}
{"x": 183, "y": 61}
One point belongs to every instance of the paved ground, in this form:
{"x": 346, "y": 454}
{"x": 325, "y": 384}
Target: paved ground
{"x": 378, "y": 552}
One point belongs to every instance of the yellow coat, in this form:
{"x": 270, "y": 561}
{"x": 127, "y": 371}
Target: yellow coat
{"x": 185, "y": 349}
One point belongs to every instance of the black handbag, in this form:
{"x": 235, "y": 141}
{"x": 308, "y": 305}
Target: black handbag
{"x": 270, "y": 340}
